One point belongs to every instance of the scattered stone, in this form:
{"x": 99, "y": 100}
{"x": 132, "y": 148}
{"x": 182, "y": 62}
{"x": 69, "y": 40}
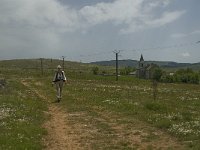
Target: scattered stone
{"x": 2, "y": 83}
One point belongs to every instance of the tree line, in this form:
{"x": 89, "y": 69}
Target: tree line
{"x": 182, "y": 76}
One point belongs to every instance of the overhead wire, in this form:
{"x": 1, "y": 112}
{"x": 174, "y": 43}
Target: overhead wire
{"x": 141, "y": 49}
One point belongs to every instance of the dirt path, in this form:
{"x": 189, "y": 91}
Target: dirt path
{"x": 58, "y": 131}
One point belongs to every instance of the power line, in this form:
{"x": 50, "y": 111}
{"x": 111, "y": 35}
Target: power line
{"x": 144, "y": 49}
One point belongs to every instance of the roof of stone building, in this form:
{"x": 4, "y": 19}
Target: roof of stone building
{"x": 150, "y": 66}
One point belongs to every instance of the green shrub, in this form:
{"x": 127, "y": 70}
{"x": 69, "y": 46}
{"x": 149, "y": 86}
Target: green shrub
{"x": 163, "y": 124}
{"x": 95, "y": 70}
{"x": 155, "y": 106}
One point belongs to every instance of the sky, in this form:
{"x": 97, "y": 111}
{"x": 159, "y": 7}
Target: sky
{"x": 90, "y": 30}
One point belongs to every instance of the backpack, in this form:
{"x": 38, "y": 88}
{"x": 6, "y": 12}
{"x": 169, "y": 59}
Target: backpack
{"x": 61, "y": 78}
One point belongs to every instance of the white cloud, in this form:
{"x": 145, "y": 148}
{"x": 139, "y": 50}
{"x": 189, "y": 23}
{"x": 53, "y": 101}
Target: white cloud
{"x": 167, "y": 17}
{"x": 34, "y": 27}
{"x": 196, "y": 32}
{"x": 185, "y": 54}
{"x": 119, "y": 11}
{"x": 134, "y": 14}
{"x": 150, "y": 21}
{"x": 38, "y": 14}
{"x": 178, "y": 35}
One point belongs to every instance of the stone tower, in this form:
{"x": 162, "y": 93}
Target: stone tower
{"x": 141, "y": 68}
{"x": 141, "y": 62}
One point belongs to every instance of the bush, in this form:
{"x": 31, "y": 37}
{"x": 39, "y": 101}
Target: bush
{"x": 157, "y": 74}
{"x": 164, "y": 124}
{"x": 127, "y": 70}
{"x": 183, "y": 76}
{"x": 167, "y": 78}
{"x": 155, "y": 106}
{"x": 103, "y": 72}
{"x": 95, "y": 70}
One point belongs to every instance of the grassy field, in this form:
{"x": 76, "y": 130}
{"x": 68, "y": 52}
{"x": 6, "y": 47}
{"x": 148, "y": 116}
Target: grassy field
{"x": 104, "y": 114}
{"x": 21, "y": 117}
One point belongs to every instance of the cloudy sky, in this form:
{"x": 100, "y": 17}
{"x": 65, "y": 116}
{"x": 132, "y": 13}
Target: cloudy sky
{"x": 90, "y": 30}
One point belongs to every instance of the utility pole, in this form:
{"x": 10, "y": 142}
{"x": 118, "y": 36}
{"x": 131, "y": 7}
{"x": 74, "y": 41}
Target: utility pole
{"x": 41, "y": 63}
{"x": 117, "y": 66}
{"x": 63, "y": 62}
{"x": 51, "y": 66}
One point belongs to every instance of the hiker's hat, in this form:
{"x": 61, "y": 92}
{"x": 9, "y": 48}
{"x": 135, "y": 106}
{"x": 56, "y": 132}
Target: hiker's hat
{"x": 59, "y": 67}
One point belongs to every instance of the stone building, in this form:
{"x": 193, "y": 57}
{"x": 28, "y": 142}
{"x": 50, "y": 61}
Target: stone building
{"x": 145, "y": 71}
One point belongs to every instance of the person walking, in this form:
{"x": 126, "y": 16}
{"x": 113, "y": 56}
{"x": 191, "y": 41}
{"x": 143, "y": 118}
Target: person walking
{"x": 58, "y": 80}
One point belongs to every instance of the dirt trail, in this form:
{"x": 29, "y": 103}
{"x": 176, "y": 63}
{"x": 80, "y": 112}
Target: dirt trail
{"x": 58, "y": 131}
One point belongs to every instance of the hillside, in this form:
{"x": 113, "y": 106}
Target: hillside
{"x": 49, "y": 65}
{"x": 36, "y": 63}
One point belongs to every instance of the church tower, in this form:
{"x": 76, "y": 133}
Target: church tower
{"x": 141, "y": 68}
{"x": 141, "y": 62}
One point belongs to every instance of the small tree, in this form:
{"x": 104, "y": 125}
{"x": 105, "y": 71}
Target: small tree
{"x": 95, "y": 70}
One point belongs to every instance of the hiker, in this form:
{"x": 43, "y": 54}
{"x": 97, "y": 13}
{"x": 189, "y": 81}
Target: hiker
{"x": 58, "y": 80}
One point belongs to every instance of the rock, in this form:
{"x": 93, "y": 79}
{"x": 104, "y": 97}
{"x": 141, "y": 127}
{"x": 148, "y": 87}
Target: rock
{"x": 2, "y": 83}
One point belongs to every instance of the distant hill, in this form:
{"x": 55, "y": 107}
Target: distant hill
{"x": 170, "y": 65}
{"x": 122, "y": 63}
{"x": 134, "y": 63}
{"x": 48, "y": 64}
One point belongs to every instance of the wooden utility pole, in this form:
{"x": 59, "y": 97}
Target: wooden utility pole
{"x": 117, "y": 66}
{"x": 51, "y": 66}
{"x": 41, "y": 63}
